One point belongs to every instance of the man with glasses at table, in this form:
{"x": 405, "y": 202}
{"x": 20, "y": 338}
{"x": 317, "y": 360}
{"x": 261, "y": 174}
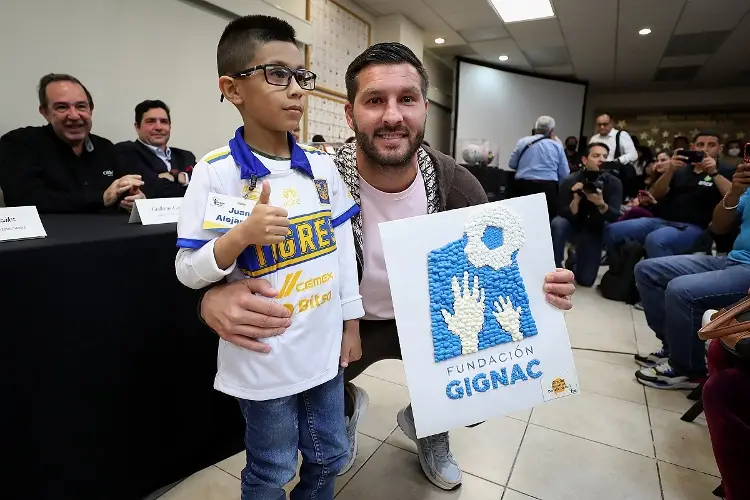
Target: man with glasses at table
{"x": 62, "y": 167}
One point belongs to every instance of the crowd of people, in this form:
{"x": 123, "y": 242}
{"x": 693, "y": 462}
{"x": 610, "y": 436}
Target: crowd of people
{"x": 291, "y": 399}
{"x": 614, "y": 197}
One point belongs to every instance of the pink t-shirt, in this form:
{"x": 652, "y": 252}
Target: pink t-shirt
{"x": 376, "y": 207}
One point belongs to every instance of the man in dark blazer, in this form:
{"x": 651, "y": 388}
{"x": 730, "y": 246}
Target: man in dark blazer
{"x": 166, "y": 170}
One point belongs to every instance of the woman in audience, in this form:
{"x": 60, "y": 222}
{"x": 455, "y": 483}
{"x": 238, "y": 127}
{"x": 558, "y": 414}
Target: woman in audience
{"x": 726, "y": 404}
{"x": 657, "y": 168}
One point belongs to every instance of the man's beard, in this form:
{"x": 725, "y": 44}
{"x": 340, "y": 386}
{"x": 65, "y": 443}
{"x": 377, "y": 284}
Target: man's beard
{"x": 392, "y": 161}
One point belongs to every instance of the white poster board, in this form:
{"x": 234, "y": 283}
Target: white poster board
{"x": 478, "y": 339}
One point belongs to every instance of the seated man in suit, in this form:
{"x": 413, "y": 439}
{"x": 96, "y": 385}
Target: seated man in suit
{"x": 166, "y": 170}
{"x": 62, "y": 167}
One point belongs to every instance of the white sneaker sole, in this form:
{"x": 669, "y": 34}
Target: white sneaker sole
{"x": 359, "y": 410}
{"x": 680, "y": 385}
{"x": 411, "y": 434}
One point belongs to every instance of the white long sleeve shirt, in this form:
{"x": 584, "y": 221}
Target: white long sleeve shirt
{"x": 314, "y": 269}
{"x": 628, "y": 153}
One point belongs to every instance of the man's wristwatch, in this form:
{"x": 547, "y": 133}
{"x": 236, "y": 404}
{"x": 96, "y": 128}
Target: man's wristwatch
{"x": 714, "y": 174}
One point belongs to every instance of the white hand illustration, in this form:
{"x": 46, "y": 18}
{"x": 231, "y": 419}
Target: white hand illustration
{"x": 468, "y": 318}
{"x": 509, "y": 318}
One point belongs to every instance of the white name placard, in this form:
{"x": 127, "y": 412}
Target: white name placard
{"x": 223, "y": 212}
{"x": 20, "y": 223}
{"x": 156, "y": 211}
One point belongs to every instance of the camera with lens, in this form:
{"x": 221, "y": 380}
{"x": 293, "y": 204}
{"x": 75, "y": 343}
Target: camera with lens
{"x": 591, "y": 182}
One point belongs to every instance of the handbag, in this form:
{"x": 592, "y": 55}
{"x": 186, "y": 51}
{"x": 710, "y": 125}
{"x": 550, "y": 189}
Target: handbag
{"x": 731, "y": 326}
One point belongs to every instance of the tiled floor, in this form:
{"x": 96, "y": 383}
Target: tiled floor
{"x": 616, "y": 440}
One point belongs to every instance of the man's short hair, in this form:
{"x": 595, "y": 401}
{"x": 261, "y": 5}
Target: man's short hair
{"x": 142, "y": 107}
{"x": 243, "y": 37}
{"x": 594, "y": 144}
{"x": 544, "y": 125}
{"x": 59, "y": 77}
{"x": 390, "y": 53}
{"x": 707, "y": 133}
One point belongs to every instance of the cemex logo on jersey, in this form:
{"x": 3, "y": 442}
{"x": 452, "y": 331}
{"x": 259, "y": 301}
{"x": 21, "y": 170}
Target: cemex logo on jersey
{"x": 292, "y": 284}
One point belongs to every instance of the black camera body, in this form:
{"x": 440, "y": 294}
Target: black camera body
{"x": 592, "y": 181}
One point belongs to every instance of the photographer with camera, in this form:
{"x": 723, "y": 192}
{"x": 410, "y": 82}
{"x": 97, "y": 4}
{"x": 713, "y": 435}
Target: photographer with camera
{"x": 589, "y": 199}
{"x": 686, "y": 193}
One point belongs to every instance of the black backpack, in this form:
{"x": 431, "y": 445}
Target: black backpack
{"x": 618, "y": 283}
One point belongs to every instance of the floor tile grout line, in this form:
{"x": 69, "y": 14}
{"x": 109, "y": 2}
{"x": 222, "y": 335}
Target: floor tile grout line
{"x": 224, "y": 470}
{"x": 602, "y": 351}
{"x": 688, "y": 468}
{"x": 653, "y": 442}
{"x": 384, "y": 379}
{"x": 360, "y": 468}
{"x": 593, "y": 441}
{"x": 518, "y": 452}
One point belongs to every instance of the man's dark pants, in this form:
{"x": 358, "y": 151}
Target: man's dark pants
{"x": 524, "y": 187}
{"x": 379, "y": 342}
{"x": 588, "y": 244}
{"x": 676, "y": 291}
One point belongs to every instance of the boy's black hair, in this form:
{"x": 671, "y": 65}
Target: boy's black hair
{"x": 144, "y": 106}
{"x": 243, "y": 37}
{"x": 384, "y": 53}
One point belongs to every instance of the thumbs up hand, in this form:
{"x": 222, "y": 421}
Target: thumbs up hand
{"x": 267, "y": 224}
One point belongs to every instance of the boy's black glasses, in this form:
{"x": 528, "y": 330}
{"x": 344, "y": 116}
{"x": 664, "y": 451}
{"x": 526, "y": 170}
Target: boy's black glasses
{"x": 280, "y": 76}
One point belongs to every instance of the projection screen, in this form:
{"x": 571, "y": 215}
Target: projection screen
{"x": 501, "y": 106}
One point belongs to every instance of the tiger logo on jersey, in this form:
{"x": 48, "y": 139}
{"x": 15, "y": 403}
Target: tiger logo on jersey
{"x": 322, "y": 186}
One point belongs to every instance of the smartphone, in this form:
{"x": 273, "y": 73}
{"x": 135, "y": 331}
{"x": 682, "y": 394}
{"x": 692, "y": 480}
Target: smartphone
{"x": 747, "y": 153}
{"x": 693, "y": 157}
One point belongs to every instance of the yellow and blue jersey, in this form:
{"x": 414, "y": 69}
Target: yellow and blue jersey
{"x": 314, "y": 268}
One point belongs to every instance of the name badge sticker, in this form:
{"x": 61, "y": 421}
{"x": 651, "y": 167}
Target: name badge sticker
{"x": 224, "y": 212}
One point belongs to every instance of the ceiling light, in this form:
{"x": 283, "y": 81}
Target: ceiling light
{"x": 645, "y": 31}
{"x": 503, "y": 58}
{"x": 440, "y": 40}
{"x": 513, "y": 11}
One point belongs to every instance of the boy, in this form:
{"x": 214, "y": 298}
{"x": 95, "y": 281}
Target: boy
{"x": 292, "y": 395}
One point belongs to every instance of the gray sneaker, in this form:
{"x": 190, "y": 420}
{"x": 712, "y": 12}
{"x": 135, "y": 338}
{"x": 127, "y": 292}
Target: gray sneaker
{"x": 434, "y": 454}
{"x": 361, "y": 400}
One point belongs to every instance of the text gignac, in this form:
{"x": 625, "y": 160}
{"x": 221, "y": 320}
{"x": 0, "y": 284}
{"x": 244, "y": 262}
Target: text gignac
{"x": 521, "y": 371}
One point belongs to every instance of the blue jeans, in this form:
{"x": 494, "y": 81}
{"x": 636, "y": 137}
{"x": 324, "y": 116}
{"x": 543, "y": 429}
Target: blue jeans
{"x": 313, "y": 422}
{"x": 676, "y": 291}
{"x": 659, "y": 237}
{"x": 588, "y": 249}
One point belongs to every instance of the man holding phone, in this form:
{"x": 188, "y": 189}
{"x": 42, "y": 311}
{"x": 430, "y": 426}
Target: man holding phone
{"x": 589, "y": 199}
{"x": 686, "y": 194}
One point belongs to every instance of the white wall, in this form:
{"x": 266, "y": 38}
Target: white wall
{"x": 662, "y": 101}
{"x": 502, "y": 107}
{"x": 124, "y": 52}
{"x": 438, "y": 128}
{"x": 441, "y": 80}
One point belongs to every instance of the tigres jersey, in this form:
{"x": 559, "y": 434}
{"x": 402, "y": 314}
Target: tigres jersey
{"x": 314, "y": 269}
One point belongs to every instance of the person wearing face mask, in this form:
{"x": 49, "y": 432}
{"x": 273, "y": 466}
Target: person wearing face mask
{"x": 732, "y": 153}
{"x": 572, "y": 154}
{"x": 62, "y": 167}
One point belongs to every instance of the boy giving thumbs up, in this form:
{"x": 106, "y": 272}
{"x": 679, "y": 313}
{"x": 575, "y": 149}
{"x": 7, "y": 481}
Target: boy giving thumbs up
{"x": 266, "y": 225}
